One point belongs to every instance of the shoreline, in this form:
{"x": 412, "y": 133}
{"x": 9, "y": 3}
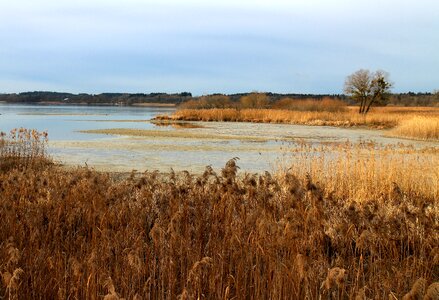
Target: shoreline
{"x": 60, "y": 103}
{"x": 422, "y": 123}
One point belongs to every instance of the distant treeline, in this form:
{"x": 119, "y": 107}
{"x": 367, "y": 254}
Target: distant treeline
{"x": 307, "y": 101}
{"x": 397, "y": 99}
{"x": 415, "y": 99}
{"x": 220, "y": 100}
{"x": 102, "y": 99}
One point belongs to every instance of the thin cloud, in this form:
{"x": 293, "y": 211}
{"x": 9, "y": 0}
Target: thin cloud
{"x": 216, "y": 46}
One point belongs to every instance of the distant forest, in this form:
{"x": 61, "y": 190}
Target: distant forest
{"x": 96, "y": 99}
{"x": 401, "y": 99}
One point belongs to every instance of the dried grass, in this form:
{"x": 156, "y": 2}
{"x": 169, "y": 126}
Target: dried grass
{"x": 424, "y": 125}
{"x": 425, "y": 128}
{"x": 81, "y": 234}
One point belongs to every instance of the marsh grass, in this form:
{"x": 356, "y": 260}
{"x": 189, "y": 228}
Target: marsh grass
{"x": 320, "y": 118}
{"x": 350, "y": 222}
{"x": 419, "y": 127}
{"x": 23, "y": 147}
{"x": 380, "y": 118}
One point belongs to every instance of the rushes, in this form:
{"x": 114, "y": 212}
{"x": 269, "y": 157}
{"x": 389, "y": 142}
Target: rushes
{"x": 425, "y": 128}
{"x": 432, "y": 292}
{"x": 417, "y": 291}
{"x": 303, "y": 233}
{"x": 367, "y": 170}
{"x": 419, "y": 123}
{"x": 23, "y": 147}
{"x": 335, "y": 278}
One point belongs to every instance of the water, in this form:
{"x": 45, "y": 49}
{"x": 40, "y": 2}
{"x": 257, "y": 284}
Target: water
{"x": 259, "y": 146}
{"x": 65, "y": 122}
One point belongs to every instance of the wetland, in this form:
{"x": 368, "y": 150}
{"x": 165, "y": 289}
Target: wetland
{"x": 120, "y": 138}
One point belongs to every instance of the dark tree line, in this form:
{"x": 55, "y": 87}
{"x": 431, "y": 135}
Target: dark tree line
{"x": 214, "y": 100}
{"x": 414, "y": 99}
{"x": 104, "y": 98}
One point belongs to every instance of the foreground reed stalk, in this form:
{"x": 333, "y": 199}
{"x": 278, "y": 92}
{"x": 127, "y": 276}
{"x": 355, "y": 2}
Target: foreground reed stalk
{"x": 299, "y": 234}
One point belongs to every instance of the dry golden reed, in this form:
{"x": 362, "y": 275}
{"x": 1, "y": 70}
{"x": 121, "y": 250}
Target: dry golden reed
{"x": 299, "y": 234}
{"x": 417, "y": 291}
{"x": 425, "y": 128}
{"x": 366, "y": 170}
{"x": 23, "y": 147}
{"x": 432, "y": 292}
{"x": 417, "y": 122}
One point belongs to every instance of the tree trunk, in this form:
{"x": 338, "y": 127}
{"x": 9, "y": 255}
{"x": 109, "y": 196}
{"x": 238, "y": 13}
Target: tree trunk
{"x": 362, "y": 104}
{"x": 370, "y": 104}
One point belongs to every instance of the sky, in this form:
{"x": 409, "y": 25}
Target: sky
{"x": 210, "y": 46}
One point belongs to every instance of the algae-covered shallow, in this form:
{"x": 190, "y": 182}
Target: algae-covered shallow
{"x": 181, "y": 134}
{"x": 124, "y": 138}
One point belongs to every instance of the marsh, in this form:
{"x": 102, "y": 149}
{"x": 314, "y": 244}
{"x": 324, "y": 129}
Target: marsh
{"x": 119, "y": 138}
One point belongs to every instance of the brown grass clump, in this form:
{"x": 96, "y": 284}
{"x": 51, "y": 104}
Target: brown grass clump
{"x": 335, "y": 278}
{"x": 417, "y": 291}
{"x": 432, "y": 292}
{"x": 23, "y": 147}
{"x": 80, "y": 234}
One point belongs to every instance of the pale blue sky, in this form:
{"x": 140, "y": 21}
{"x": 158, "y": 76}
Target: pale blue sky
{"x": 304, "y": 46}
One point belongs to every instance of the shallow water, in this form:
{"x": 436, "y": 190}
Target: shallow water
{"x": 259, "y": 146}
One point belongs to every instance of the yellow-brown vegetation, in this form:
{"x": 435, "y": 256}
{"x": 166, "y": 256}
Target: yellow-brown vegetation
{"x": 432, "y": 292}
{"x": 326, "y": 104}
{"x": 22, "y": 147}
{"x": 363, "y": 171}
{"x": 298, "y": 234}
{"x": 424, "y": 127}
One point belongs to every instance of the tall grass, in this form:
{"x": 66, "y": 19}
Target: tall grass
{"x": 322, "y": 118}
{"x": 411, "y": 122}
{"x": 22, "y": 147}
{"x": 341, "y": 222}
{"x": 426, "y": 128}
{"x": 364, "y": 171}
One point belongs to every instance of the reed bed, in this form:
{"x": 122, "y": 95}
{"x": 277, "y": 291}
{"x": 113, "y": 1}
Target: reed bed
{"x": 364, "y": 230}
{"x": 23, "y": 147}
{"x": 363, "y": 171}
{"x": 380, "y": 118}
{"x": 320, "y": 118}
{"x": 425, "y": 128}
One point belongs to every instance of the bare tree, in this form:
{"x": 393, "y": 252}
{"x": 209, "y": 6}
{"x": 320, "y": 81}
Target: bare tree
{"x": 368, "y": 88}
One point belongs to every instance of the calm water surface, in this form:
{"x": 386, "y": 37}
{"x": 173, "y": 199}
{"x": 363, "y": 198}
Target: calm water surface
{"x": 260, "y": 147}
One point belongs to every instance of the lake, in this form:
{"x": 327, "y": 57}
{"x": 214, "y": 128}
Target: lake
{"x": 259, "y": 147}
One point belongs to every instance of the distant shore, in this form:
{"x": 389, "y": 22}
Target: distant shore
{"x": 416, "y": 123}
{"x": 152, "y": 104}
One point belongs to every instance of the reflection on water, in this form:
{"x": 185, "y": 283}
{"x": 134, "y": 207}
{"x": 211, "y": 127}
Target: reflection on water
{"x": 124, "y": 153}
